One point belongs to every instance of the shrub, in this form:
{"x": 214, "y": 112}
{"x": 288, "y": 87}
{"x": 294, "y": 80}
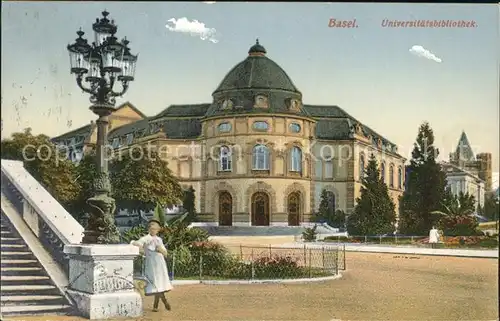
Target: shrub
{"x": 463, "y": 225}
{"x": 310, "y": 234}
{"x": 277, "y": 267}
{"x": 215, "y": 258}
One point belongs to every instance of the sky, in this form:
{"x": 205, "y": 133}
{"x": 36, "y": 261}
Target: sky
{"x": 391, "y": 79}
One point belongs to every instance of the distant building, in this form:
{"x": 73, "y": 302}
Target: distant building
{"x": 468, "y": 173}
{"x": 460, "y": 180}
{"x": 80, "y": 141}
{"x": 479, "y": 165}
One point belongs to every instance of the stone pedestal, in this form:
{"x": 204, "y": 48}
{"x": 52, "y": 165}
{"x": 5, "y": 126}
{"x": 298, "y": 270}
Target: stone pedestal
{"x": 101, "y": 280}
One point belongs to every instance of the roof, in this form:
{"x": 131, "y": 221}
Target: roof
{"x": 257, "y": 71}
{"x": 176, "y": 121}
{"x": 454, "y": 170}
{"x": 129, "y": 104}
{"x": 80, "y": 131}
{"x": 334, "y": 123}
{"x": 464, "y": 151}
{"x": 196, "y": 110}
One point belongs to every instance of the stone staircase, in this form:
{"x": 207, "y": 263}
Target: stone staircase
{"x": 26, "y": 288}
{"x": 264, "y": 230}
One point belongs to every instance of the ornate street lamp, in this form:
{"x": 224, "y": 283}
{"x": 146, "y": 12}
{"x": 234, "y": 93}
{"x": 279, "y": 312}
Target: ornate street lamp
{"x": 98, "y": 67}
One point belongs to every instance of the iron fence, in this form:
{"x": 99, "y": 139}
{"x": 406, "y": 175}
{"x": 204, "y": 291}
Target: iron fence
{"x": 251, "y": 263}
{"x": 418, "y": 241}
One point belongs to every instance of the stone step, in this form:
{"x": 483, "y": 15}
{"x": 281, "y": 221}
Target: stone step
{"x": 31, "y": 300}
{"x": 22, "y": 271}
{"x": 9, "y": 248}
{"x": 19, "y": 263}
{"x": 14, "y": 255}
{"x": 16, "y": 290}
{"x": 36, "y": 309}
{"x": 3, "y": 269}
{"x": 25, "y": 280}
{"x": 11, "y": 240}
{"x": 17, "y": 246}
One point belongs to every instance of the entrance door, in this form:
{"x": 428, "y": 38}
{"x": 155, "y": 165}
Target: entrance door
{"x": 294, "y": 209}
{"x": 225, "y": 209}
{"x": 260, "y": 209}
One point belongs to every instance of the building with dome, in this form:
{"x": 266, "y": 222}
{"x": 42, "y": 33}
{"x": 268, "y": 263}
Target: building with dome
{"x": 257, "y": 154}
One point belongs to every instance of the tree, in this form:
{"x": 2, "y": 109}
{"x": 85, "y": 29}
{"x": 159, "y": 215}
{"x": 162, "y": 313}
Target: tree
{"x": 86, "y": 173}
{"x": 374, "y": 213}
{"x": 458, "y": 218}
{"x": 425, "y": 187}
{"x": 327, "y": 213}
{"x": 188, "y": 203}
{"x": 47, "y": 164}
{"x": 141, "y": 180}
{"x": 491, "y": 208}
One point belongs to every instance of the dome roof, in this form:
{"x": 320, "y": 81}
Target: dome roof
{"x": 256, "y": 72}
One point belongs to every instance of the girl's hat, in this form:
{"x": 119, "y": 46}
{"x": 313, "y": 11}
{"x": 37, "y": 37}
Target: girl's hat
{"x": 154, "y": 220}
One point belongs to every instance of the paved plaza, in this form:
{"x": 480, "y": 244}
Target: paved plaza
{"x": 375, "y": 287}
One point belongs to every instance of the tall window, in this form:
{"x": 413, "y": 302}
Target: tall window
{"x": 328, "y": 169}
{"x": 400, "y": 178}
{"x": 225, "y": 159}
{"x": 391, "y": 176}
{"x": 260, "y": 157}
{"x": 361, "y": 166}
{"x": 296, "y": 159}
{"x": 382, "y": 172}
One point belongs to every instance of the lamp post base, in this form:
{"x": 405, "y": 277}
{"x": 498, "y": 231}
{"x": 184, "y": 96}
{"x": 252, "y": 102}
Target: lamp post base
{"x": 101, "y": 228}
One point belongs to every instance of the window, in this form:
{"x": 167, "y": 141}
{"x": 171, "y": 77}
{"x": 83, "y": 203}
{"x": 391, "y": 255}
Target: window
{"x": 225, "y": 159}
{"x": 116, "y": 142}
{"x": 330, "y": 196}
{"x": 296, "y": 159}
{"x": 130, "y": 138}
{"x": 294, "y": 128}
{"x": 328, "y": 169}
{"x": 382, "y": 172}
{"x": 261, "y": 101}
{"x": 260, "y": 157}
{"x": 361, "y": 166}
{"x": 391, "y": 176}
{"x": 400, "y": 178}
{"x": 260, "y": 126}
{"x": 227, "y": 104}
{"x": 224, "y": 127}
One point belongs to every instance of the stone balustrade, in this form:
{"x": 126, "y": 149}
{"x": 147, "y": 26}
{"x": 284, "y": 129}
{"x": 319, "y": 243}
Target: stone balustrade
{"x": 48, "y": 220}
{"x": 100, "y": 277}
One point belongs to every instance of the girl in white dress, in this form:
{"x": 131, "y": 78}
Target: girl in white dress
{"x": 155, "y": 269}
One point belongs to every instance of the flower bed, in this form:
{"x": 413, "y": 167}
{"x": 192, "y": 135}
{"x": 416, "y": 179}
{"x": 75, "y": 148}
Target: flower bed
{"x": 209, "y": 260}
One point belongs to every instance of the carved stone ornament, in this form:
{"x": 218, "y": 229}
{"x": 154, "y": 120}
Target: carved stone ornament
{"x": 102, "y": 184}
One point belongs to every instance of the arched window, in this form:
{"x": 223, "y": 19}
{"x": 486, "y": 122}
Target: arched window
{"x": 361, "y": 166}
{"x": 391, "y": 176}
{"x": 225, "y": 159}
{"x": 260, "y": 157}
{"x": 400, "y": 178}
{"x": 295, "y": 159}
{"x": 382, "y": 172}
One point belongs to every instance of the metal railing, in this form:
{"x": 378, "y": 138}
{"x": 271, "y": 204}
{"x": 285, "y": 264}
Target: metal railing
{"x": 251, "y": 263}
{"x": 423, "y": 241}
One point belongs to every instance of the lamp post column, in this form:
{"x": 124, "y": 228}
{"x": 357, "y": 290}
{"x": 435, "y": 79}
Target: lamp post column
{"x": 101, "y": 226}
